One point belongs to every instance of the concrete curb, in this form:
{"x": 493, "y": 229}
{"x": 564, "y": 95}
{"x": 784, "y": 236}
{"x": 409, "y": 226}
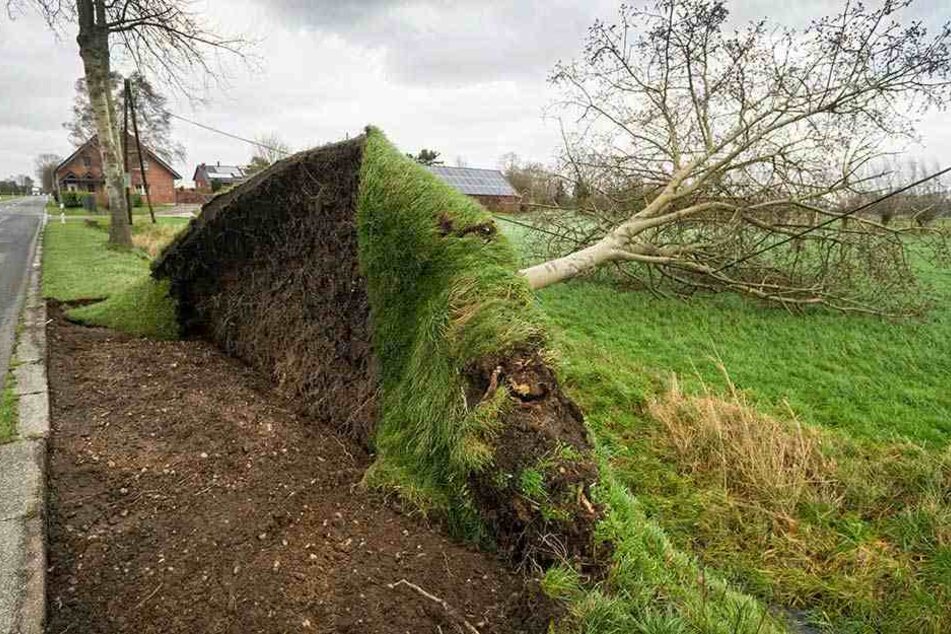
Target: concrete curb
{"x": 23, "y": 472}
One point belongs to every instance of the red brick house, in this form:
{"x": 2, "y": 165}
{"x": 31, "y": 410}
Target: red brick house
{"x": 82, "y": 171}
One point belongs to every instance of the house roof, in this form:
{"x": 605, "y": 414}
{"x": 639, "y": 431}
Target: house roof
{"x": 221, "y": 172}
{"x": 474, "y": 181}
{"x": 224, "y": 171}
{"x": 95, "y": 139}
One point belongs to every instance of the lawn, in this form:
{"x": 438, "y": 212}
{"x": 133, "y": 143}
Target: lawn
{"x": 803, "y": 458}
{"x": 78, "y": 265}
{"x": 52, "y": 208}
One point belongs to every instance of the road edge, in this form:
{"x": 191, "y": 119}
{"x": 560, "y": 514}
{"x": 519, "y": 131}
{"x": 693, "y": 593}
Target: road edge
{"x": 23, "y": 463}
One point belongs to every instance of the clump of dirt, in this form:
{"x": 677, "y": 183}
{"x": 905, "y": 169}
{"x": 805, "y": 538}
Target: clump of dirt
{"x": 538, "y": 493}
{"x": 270, "y": 273}
{"x": 186, "y": 497}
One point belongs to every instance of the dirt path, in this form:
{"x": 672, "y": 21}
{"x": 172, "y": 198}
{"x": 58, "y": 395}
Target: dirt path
{"x": 185, "y": 497}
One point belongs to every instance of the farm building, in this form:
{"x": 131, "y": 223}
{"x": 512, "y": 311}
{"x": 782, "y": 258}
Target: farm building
{"x": 487, "y": 186}
{"x": 82, "y": 172}
{"x": 212, "y": 177}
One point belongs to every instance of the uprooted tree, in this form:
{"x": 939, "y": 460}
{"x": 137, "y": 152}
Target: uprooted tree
{"x": 382, "y": 301}
{"x": 162, "y": 38}
{"x": 696, "y": 148}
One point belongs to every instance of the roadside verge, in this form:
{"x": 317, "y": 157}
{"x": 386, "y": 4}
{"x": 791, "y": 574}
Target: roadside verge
{"x": 23, "y": 470}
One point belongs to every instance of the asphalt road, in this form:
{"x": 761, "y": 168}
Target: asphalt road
{"x": 19, "y": 221}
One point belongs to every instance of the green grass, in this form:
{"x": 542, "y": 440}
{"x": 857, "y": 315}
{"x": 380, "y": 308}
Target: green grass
{"x": 442, "y": 301}
{"x": 439, "y": 303}
{"x": 866, "y": 549}
{"x": 866, "y": 376}
{"x": 79, "y": 264}
{"x": 142, "y": 309}
{"x": 52, "y": 208}
{"x": 8, "y": 410}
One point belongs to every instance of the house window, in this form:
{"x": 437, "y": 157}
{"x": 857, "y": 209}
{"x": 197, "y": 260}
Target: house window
{"x": 145, "y": 164}
{"x": 87, "y": 161}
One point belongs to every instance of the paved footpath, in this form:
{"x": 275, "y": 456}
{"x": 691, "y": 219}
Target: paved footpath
{"x": 23, "y": 461}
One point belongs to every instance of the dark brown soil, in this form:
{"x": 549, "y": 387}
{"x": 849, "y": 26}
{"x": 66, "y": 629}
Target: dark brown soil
{"x": 544, "y": 431}
{"x": 186, "y": 497}
{"x": 270, "y": 273}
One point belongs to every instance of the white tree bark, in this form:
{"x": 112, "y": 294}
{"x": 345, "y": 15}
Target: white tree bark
{"x": 93, "y": 40}
{"x": 564, "y": 268}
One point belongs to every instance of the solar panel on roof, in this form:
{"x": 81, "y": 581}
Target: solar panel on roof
{"x": 475, "y": 182}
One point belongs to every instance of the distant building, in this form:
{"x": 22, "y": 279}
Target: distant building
{"x": 487, "y": 186}
{"x": 82, "y": 171}
{"x": 212, "y": 177}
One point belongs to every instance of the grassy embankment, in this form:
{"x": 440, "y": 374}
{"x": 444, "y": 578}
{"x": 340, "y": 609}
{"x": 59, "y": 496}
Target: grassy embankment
{"x": 454, "y": 301}
{"x": 79, "y": 266}
{"x": 803, "y": 457}
{"x": 8, "y": 409}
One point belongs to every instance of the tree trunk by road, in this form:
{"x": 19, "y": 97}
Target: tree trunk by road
{"x": 93, "y": 40}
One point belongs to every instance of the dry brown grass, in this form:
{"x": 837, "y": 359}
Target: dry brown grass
{"x": 811, "y": 518}
{"x": 152, "y": 238}
{"x": 772, "y": 463}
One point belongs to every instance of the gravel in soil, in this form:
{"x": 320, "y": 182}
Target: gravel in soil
{"x": 186, "y": 497}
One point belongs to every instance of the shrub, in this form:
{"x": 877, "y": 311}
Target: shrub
{"x": 74, "y": 200}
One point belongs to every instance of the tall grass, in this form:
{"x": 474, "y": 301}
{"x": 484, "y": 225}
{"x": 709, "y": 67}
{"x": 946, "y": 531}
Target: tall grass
{"x": 813, "y": 472}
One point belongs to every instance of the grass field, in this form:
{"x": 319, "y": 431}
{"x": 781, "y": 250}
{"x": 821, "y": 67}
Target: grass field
{"x": 804, "y": 458}
{"x": 79, "y": 265}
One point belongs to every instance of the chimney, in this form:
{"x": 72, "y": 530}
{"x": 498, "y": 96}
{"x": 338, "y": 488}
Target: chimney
{"x": 219, "y": 163}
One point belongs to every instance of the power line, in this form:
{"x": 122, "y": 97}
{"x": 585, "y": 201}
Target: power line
{"x": 527, "y": 226}
{"x": 228, "y": 134}
{"x": 828, "y": 222}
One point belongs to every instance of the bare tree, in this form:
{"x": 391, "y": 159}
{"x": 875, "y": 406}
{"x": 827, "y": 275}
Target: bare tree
{"x": 151, "y": 110}
{"x": 694, "y": 148}
{"x": 46, "y": 171}
{"x": 268, "y": 149}
{"x": 539, "y": 187}
{"x": 162, "y": 38}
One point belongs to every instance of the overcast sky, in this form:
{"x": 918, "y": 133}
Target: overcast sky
{"x": 467, "y": 78}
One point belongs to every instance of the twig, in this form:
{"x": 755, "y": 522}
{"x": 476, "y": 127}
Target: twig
{"x": 150, "y": 595}
{"x": 451, "y": 611}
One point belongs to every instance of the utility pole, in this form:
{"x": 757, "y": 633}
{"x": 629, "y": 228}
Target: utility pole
{"x": 138, "y": 144}
{"x": 125, "y": 149}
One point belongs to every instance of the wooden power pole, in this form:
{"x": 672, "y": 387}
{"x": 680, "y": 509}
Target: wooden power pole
{"x": 125, "y": 150}
{"x": 130, "y": 99}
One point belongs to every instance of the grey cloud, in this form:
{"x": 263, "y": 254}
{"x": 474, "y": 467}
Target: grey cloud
{"x": 455, "y": 43}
